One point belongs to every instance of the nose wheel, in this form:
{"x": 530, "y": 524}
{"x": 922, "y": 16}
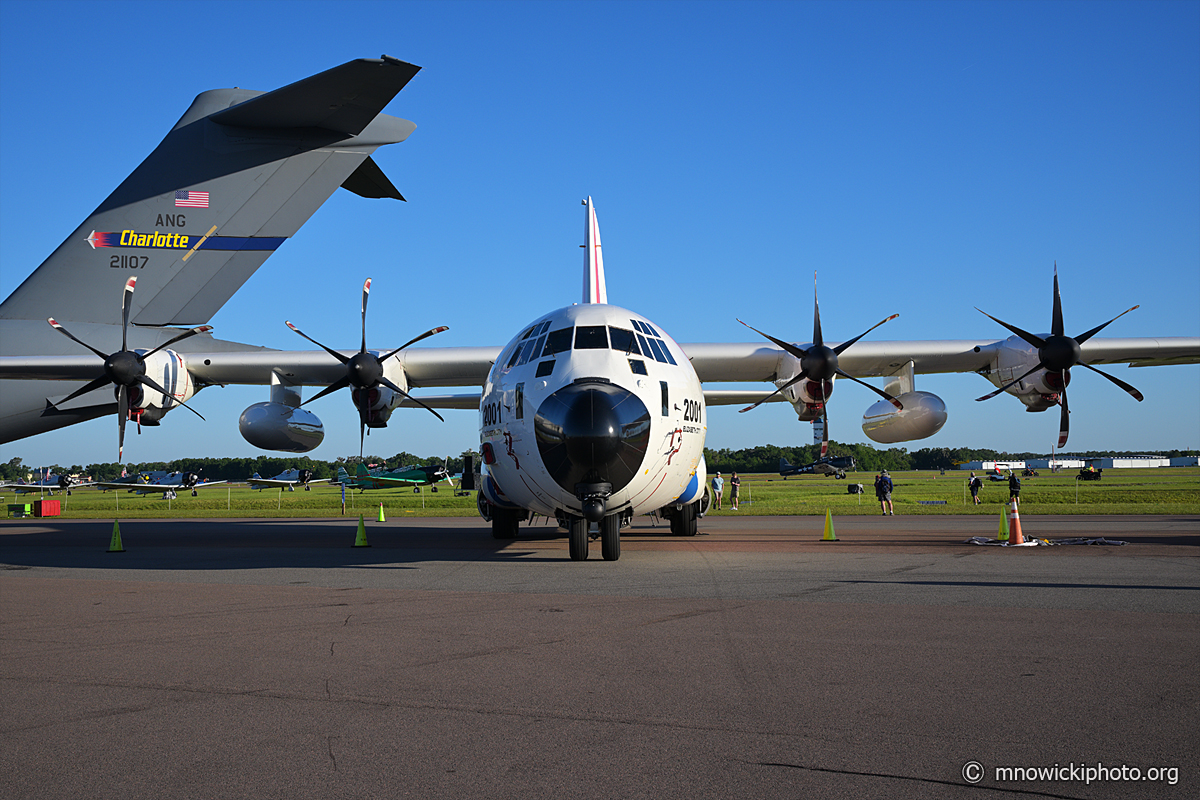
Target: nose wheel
{"x": 578, "y": 535}
{"x": 610, "y": 537}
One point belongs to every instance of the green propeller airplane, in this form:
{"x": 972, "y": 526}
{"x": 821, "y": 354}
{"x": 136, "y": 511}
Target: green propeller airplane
{"x": 409, "y": 476}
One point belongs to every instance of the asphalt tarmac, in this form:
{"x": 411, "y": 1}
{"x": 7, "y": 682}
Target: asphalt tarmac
{"x": 270, "y": 658}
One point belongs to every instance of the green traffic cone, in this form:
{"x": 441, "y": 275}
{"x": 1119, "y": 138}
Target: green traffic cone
{"x": 361, "y": 539}
{"x": 114, "y": 546}
{"x": 829, "y": 536}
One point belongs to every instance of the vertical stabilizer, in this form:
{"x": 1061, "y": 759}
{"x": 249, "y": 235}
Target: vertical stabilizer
{"x": 594, "y": 290}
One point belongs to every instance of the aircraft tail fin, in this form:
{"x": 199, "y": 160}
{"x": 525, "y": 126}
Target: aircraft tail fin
{"x": 232, "y": 181}
{"x": 594, "y": 290}
{"x": 362, "y": 470}
{"x": 784, "y": 466}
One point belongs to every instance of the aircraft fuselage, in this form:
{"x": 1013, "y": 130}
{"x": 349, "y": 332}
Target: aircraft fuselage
{"x": 592, "y": 411}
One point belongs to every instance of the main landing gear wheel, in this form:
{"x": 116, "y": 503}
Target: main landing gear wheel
{"x": 577, "y": 535}
{"x": 683, "y": 523}
{"x": 610, "y": 537}
{"x": 505, "y": 523}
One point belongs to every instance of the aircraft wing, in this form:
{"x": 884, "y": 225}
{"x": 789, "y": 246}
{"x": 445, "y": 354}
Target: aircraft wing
{"x": 381, "y": 482}
{"x": 714, "y": 363}
{"x": 756, "y": 362}
{"x": 739, "y": 397}
{"x": 277, "y": 484}
{"x": 119, "y": 485}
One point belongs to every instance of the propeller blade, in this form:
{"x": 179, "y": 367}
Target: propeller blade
{"x": 424, "y": 335}
{"x": 179, "y": 338}
{"x": 1084, "y": 337}
{"x": 67, "y": 334}
{"x": 126, "y": 306}
{"x": 793, "y": 381}
{"x": 790, "y": 348}
{"x": 341, "y": 383}
{"x": 1134, "y": 393}
{"x": 1056, "y": 322}
{"x": 142, "y": 379}
{"x": 899, "y": 406}
{"x": 1064, "y": 419}
{"x": 122, "y": 416}
{"x": 408, "y": 396}
{"x": 1040, "y": 365}
{"x": 824, "y": 429}
{"x": 362, "y": 432}
{"x": 1036, "y": 341}
{"x": 87, "y": 387}
{"x": 842, "y": 347}
{"x": 334, "y": 353}
{"x": 817, "y": 340}
{"x": 366, "y": 294}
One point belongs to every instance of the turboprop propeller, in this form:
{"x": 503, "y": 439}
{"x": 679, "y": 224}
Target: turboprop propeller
{"x": 126, "y": 368}
{"x": 1057, "y": 354}
{"x": 364, "y": 370}
{"x": 819, "y": 363}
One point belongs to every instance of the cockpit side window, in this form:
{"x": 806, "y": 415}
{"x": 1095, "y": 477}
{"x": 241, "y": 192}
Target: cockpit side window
{"x": 558, "y": 341}
{"x": 516, "y": 353}
{"x": 591, "y": 337}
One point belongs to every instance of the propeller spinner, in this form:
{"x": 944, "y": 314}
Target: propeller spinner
{"x": 364, "y": 370}
{"x": 1057, "y": 353}
{"x": 819, "y": 363}
{"x": 126, "y": 369}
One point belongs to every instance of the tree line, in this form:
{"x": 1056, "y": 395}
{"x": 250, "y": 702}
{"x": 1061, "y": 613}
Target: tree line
{"x": 231, "y": 469}
{"x": 763, "y": 458}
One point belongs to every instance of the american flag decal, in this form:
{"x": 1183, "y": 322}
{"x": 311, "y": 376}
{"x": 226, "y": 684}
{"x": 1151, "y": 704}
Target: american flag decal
{"x": 189, "y": 199}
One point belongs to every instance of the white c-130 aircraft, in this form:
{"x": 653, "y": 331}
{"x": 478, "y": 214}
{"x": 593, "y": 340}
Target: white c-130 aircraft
{"x": 592, "y": 414}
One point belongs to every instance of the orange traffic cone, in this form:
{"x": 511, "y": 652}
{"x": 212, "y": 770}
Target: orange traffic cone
{"x": 1014, "y": 525}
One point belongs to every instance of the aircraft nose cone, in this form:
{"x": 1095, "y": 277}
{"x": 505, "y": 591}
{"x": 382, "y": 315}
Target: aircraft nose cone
{"x": 592, "y": 432}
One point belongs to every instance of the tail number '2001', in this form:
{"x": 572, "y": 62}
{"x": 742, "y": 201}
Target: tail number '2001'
{"x": 691, "y": 411}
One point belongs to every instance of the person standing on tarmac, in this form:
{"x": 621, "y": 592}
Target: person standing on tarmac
{"x": 718, "y": 483}
{"x": 1014, "y": 486}
{"x": 974, "y": 484}
{"x": 735, "y": 486}
{"x": 883, "y": 491}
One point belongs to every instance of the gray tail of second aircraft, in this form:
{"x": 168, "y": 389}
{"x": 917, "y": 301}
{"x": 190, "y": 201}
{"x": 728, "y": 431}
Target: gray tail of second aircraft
{"x": 233, "y": 180}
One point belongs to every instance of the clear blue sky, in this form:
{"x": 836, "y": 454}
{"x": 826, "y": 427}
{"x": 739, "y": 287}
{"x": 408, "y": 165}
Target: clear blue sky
{"x": 922, "y": 158}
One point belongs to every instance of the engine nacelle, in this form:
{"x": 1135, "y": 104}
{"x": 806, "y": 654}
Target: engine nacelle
{"x": 277, "y": 426}
{"x": 375, "y": 405}
{"x": 808, "y": 397}
{"x": 923, "y": 415}
{"x": 165, "y": 368}
{"x": 1014, "y": 357}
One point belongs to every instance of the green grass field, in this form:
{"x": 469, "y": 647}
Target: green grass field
{"x": 1128, "y": 491}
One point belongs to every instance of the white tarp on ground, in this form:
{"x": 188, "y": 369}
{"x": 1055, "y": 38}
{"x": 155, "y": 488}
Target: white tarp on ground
{"x": 1037, "y": 542}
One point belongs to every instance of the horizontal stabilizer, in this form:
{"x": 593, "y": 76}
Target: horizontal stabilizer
{"x": 369, "y": 181}
{"x": 344, "y": 99}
